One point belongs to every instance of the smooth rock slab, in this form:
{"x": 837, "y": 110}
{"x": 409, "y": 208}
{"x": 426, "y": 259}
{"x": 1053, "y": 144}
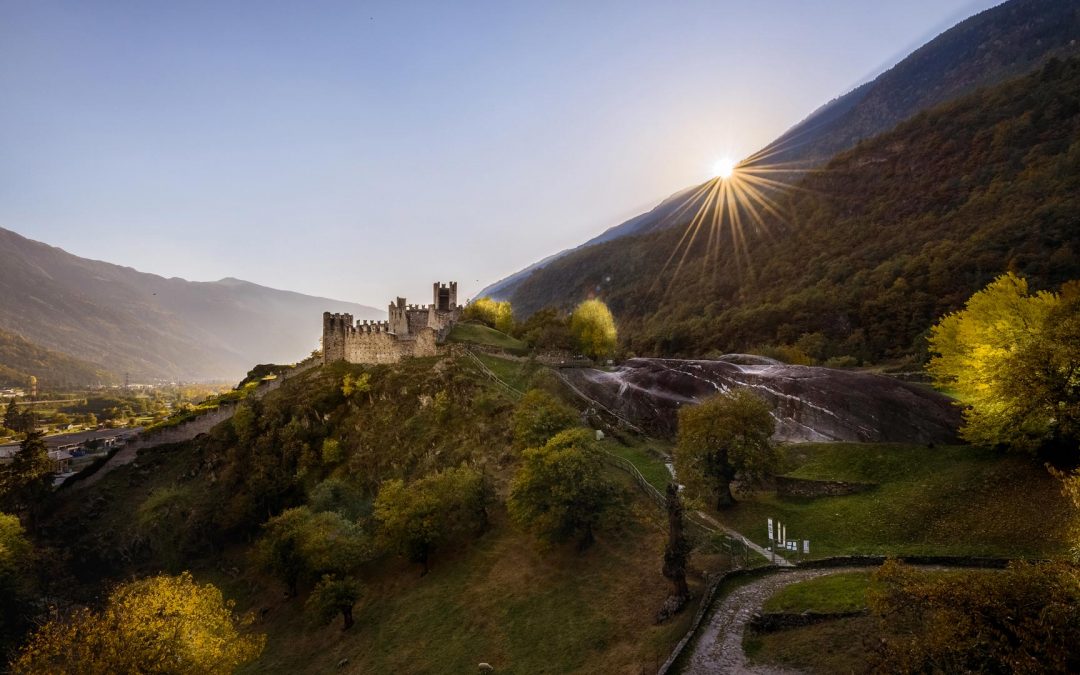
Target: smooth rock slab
{"x": 809, "y": 403}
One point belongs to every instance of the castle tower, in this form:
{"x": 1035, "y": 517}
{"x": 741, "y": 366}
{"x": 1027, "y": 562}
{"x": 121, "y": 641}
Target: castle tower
{"x": 444, "y": 297}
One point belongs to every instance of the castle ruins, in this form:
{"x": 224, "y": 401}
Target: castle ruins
{"x": 412, "y": 330}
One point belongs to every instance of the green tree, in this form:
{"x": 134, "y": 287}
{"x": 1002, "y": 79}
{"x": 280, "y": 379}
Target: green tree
{"x": 1013, "y": 359}
{"x": 560, "y": 491}
{"x": 538, "y": 416}
{"x": 12, "y": 418}
{"x": 160, "y": 624}
{"x": 16, "y": 581}
{"x": 593, "y": 328}
{"x": 723, "y": 438}
{"x": 1023, "y": 620}
{"x": 26, "y": 481}
{"x": 301, "y": 544}
{"x": 332, "y": 596}
{"x": 546, "y": 329}
{"x": 417, "y": 518}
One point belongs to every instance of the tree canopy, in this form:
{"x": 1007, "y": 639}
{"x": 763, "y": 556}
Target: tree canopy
{"x": 538, "y": 416}
{"x": 417, "y": 518}
{"x": 334, "y": 595}
{"x": 560, "y": 491}
{"x": 301, "y": 544}
{"x": 492, "y": 313}
{"x": 1013, "y": 358}
{"x": 1023, "y": 620}
{"x": 161, "y": 624}
{"x": 593, "y": 328}
{"x": 722, "y": 438}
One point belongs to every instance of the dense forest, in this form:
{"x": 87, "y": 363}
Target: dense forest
{"x": 867, "y": 252}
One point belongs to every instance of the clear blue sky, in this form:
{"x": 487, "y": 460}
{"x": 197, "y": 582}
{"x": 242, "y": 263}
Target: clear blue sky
{"x": 363, "y": 150}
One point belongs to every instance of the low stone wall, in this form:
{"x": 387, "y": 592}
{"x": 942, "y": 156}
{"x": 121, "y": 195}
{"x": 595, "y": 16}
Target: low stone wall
{"x": 787, "y": 486}
{"x": 772, "y": 622}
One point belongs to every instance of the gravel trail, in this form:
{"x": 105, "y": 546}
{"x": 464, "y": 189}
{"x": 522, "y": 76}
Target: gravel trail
{"x": 719, "y": 646}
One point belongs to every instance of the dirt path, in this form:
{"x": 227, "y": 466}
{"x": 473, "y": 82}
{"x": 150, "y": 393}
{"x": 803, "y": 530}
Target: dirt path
{"x": 719, "y": 646}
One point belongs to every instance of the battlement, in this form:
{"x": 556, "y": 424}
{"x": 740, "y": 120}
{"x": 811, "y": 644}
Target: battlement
{"x": 410, "y": 330}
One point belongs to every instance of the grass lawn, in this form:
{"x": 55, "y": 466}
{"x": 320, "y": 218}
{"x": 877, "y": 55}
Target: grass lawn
{"x": 840, "y": 646}
{"x": 844, "y": 592}
{"x": 515, "y": 373}
{"x": 502, "y": 600}
{"x": 956, "y": 500}
{"x": 477, "y": 333}
{"x": 646, "y": 456}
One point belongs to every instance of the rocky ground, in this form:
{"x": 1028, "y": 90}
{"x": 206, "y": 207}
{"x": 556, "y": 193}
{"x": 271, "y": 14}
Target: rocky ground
{"x": 810, "y": 403}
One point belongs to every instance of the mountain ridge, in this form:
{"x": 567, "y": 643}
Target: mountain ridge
{"x": 151, "y": 326}
{"x": 984, "y": 49}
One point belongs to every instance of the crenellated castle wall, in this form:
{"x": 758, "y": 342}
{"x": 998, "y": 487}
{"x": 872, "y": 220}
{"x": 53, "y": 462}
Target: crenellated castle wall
{"x": 411, "y": 330}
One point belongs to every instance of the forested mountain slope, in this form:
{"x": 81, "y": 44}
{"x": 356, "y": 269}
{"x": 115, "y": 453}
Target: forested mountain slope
{"x": 21, "y": 359}
{"x": 147, "y": 325}
{"x": 1000, "y": 43}
{"x": 873, "y": 248}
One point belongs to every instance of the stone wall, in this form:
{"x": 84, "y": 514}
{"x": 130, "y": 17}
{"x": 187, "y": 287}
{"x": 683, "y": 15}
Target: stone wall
{"x": 805, "y": 487}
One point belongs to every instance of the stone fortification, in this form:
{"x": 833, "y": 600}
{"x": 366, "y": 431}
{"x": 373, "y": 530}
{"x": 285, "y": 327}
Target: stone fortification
{"x": 412, "y": 330}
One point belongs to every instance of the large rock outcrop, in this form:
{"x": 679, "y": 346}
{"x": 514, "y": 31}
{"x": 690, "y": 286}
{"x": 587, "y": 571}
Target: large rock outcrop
{"x": 809, "y": 403}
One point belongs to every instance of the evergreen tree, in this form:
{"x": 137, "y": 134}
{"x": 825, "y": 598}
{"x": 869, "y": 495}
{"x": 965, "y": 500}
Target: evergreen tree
{"x": 27, "y": 479}
{"x": 677, "y": 551}
{"x": 12, "y": 419}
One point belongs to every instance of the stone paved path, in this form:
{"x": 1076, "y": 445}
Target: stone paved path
{"x": 719, "y": 646}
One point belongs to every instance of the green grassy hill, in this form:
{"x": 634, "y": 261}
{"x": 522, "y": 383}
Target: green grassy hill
{"x": 476, "y": 333}
{"x": 956, "y": 500}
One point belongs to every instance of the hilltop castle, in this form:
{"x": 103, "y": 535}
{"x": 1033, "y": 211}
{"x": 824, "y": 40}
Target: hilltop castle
{"x": 413, "y": 330}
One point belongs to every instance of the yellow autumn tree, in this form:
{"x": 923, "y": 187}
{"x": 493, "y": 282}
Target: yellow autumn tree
{"x": 161, "y": 624}
{"x": 497, "y": 315}
{"x": 1012, "y": 357}
{"x": 593, "y": 328}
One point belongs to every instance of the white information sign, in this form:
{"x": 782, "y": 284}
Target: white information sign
{"x": 806, "y": 546}
{"x": 770, "y": 530}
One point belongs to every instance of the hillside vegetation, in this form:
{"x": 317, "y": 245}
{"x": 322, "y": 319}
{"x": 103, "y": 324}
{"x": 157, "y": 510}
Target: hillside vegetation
{"x": 20, "y": 358}
{"x": 874, "y": 248}
{"x": 1006, "y": 41}
{"x": 328, "y": 442}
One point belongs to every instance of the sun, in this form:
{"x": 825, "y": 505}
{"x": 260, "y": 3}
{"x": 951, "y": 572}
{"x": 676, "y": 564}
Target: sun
{"x": 724, "y": 167}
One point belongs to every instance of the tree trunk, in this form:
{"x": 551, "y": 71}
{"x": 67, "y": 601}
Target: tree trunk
{"x": 346, "y": 612}
{"x": 724, "y": 498}
{"x": 587, "y": 538}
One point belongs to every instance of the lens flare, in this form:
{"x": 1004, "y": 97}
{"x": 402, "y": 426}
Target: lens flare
{"x": 724, "y": 167}
{"x": 743, "y": 199}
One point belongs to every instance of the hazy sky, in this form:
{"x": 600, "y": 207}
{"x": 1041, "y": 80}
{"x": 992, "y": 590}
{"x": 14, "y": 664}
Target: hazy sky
{"x": 362, "y": 150}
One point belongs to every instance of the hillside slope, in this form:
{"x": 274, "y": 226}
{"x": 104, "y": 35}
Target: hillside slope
{"x": 20, "y": 359}
{"x": 988, "y": 48}
{"x": 494, "y": 595}
{"x": 150, "y": 326}
{"x": 890, "y": 236}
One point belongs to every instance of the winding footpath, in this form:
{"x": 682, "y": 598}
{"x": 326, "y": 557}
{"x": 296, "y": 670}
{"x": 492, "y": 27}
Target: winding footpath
{"x": 719, "y": 649}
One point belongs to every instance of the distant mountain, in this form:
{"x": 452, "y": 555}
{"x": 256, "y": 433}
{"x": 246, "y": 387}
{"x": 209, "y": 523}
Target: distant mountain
{"x": 988, "y": 48}
{"x": 20, "y": 359}
{"x": 889, "y": 237}
{"x": 123, "y": 320}
{"x": 684, "y": 200}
